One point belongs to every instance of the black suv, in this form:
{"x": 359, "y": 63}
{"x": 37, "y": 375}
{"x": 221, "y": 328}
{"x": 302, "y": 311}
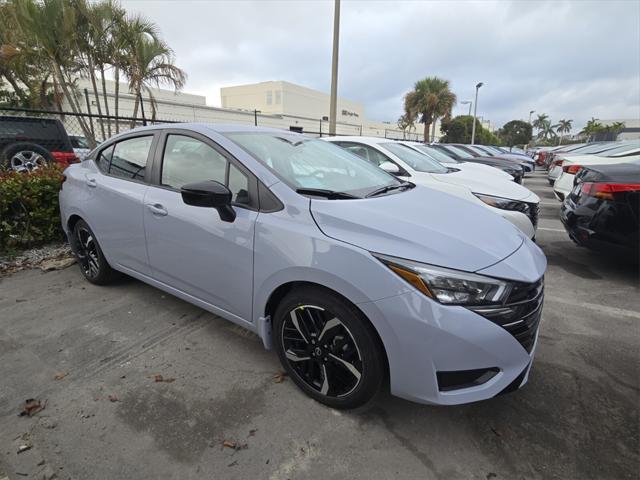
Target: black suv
{"x": 27, "y": 143}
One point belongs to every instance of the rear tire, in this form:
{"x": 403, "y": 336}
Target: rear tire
{"x": 328, "y": 348}
{"x": 93, "y": 264}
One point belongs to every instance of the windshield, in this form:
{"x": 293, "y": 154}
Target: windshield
{"x": 458, "y": 151}
{"x": 418, "y": 161}
{"x": 436, "y": 154}
{"x": 306, "y": 163}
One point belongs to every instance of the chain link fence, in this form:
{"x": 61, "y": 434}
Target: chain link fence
{"x": 42, "y": 128}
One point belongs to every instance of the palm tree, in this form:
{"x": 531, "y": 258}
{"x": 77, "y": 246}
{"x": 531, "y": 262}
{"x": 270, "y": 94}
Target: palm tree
{"x": 95, "y": 41}
{"x": 546, "y": 131}
{"x": 562, "y": 127}
{"x": 126, "y": 30}
{"x": 405, "y": 123}
{"x": 58, "y": 46}
{"x": 150, "y": 64}
{"x": 591, "y": 127}
{"x": 430, "y": 99}
{"x": 541, "y": 121}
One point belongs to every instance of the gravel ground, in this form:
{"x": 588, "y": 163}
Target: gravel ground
{"x": 93, "y": 353}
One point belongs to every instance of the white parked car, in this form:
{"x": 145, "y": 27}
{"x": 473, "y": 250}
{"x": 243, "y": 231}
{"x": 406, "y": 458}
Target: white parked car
{"x": 564, "y": 184}
{"x": 467, "y": 167}
{"x": 514, "y": 202}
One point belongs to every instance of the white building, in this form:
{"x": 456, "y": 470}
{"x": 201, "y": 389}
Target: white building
{"x": 273, "y": 104}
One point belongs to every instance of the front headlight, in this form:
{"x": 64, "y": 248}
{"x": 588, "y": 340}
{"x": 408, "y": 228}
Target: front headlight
{"x": 504, "y": 203}
{"x": 451, "y": 287}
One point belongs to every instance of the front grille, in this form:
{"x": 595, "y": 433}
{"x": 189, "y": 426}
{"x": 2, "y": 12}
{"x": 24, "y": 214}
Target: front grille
{"x": 520, "y": 314}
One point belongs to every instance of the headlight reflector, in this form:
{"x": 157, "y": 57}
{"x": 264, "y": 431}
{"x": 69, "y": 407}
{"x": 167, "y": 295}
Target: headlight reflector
{"x": 450, "y": 287}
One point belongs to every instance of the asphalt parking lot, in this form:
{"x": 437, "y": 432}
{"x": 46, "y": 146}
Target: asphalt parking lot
{"x": 108, "y": 417}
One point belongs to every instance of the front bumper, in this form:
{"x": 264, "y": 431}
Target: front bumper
{"x": 426, "y": 338}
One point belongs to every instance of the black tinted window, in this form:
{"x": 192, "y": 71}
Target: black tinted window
{"x": 129, "y": 159}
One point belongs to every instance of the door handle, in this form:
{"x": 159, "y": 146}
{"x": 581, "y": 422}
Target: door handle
{"x": 91, "y": 182}
{"x": 157, "y": 209}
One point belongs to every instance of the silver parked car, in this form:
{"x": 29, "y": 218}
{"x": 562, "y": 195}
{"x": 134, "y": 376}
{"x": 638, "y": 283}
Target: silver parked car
{"x": 353, "y": 276}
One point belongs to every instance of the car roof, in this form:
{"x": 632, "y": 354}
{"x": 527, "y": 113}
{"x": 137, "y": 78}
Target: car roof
{"x": 204, "y": 128}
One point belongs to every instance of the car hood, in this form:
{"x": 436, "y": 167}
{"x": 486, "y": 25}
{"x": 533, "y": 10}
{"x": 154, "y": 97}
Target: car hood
{"x": 482, "y": 169}
{"x": 489, "y": 186}
{"x": 421, "y": 224}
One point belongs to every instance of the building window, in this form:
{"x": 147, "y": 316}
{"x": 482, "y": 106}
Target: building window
{"x": 269, "y": 97}
{"x": 278, "y": 97}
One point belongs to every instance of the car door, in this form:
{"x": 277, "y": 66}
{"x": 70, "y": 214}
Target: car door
{"x": 190, "y": 248}
{"x": 114, "y": 200}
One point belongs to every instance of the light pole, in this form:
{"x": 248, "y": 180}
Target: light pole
{"x": 333, "y": 106}
{"x": 467, "y": 102}
{"x": 255, "y": 116}
{"x": 475, "y": 111}
{"x": 531, "y": 113}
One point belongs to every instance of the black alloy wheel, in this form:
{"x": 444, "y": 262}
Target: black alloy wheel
{"x": 328, "y": 348}
{"x": 92, "y": 262}
{"x": 322, "y": 351}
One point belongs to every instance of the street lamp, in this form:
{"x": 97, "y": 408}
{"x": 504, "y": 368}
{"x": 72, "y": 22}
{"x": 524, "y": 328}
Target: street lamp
{"x": 531, "y": 113}
{"x": 467, "y": 102}
{"x": 475, "y": 110}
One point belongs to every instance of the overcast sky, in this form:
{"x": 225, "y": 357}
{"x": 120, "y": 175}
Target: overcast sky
{"x": 572, "y": 60}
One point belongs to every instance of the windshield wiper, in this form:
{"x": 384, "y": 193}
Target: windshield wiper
{"x": 389, "y": 188}
{"x": 321, "y": 192}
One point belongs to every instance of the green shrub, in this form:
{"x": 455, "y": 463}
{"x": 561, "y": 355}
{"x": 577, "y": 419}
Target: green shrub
{"x": 29, "y": 210}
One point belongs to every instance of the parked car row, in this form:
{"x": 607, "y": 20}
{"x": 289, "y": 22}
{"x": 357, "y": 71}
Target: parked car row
{"x": 354, "y": 275}
{"x": 599, "y": 186}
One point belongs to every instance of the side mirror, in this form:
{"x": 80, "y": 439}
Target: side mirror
{"x": 210, "y": 194}
{"x": 390, "y": 167}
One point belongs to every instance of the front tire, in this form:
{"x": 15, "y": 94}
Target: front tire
{"x": 86, "y": 248}
{"x": 328, "y": 348}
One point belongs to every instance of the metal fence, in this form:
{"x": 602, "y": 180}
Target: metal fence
{"x": 93, "y": 128}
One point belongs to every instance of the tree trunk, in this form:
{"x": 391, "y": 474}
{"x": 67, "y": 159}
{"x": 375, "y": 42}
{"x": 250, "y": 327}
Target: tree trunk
{"x": 136, "y": 92}
{"x": 426, "y": 131}
{"x": 94, "y": 84}
{"x": 72, "y": 102}
{"x": 16, "y": 88}
{"x": 117, "y": 98}
{"x": 433, "y": 129}
{"x": 104, "y": 96}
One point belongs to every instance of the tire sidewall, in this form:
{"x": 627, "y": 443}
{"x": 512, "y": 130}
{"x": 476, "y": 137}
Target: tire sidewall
{"x": 366, "y": 339}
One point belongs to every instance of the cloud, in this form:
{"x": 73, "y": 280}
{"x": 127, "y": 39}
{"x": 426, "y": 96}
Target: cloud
{"x": 568, "y": 59}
